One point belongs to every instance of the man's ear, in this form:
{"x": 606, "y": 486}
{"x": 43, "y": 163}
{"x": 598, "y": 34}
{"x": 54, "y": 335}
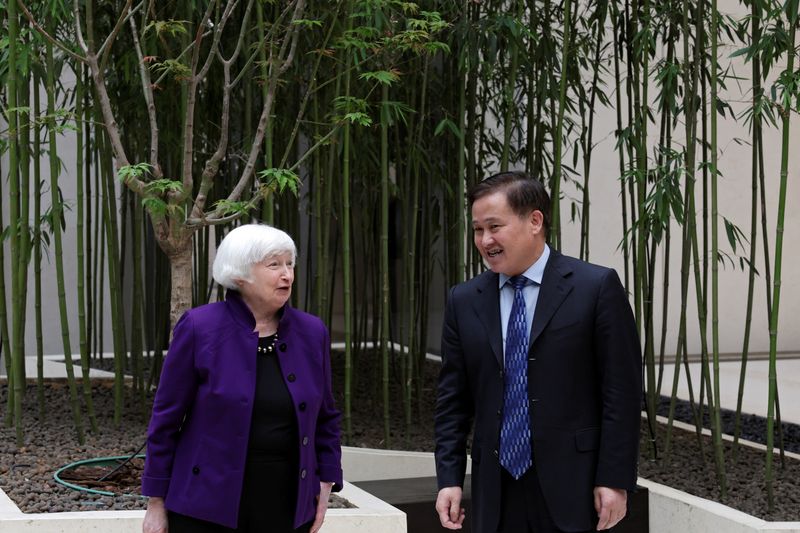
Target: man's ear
{"x": 537, "y": 220}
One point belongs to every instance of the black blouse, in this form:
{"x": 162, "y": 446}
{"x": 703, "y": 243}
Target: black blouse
{"x": 273, "y": 430}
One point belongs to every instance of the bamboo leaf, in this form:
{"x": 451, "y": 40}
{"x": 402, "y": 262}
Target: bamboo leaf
{"x": 447, "y": 124}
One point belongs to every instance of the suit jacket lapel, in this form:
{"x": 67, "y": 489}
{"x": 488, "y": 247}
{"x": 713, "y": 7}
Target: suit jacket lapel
{"x": 487, "y": 306}
{"x": 555, "y": 287}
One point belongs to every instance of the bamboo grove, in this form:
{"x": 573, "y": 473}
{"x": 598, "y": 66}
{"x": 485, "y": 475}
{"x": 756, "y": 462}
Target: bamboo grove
{"x": 357, "y": 126}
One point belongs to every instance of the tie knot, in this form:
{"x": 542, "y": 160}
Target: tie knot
{"x": 518, "y": 282}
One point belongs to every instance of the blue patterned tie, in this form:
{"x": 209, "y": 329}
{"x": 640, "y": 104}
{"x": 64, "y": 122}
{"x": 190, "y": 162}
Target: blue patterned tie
{"x": 515, "y": 433}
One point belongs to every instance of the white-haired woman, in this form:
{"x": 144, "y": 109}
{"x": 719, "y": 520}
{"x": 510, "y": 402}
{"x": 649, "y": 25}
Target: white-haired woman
{"x": 244, "y": 434}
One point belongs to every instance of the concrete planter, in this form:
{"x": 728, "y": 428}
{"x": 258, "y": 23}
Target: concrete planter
{"x": 673, "y": 511}
{"x": 669, "y": 510}
{"x": 371, "y": 516}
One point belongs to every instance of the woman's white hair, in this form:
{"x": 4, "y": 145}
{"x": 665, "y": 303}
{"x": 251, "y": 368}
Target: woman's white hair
{"x": 245, "y": 246}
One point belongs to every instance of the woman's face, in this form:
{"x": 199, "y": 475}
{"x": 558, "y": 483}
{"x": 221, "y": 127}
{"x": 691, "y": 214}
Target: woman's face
{"x": 271, "y": 282}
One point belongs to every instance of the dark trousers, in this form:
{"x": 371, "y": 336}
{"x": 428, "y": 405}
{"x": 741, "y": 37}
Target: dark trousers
{"x": 523, "y": 508}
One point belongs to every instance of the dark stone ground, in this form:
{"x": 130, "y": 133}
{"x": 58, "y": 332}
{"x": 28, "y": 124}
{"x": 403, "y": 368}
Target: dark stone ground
{"x": 26, "y": 473}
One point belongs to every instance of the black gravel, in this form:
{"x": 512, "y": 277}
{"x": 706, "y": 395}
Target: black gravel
{"x": 26, "y": 473}
{"x": 752, "y": 427}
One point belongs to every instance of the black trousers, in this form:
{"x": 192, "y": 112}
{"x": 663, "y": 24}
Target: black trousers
{"x": 523, "y": 508}
{"x": 269, "y": 495}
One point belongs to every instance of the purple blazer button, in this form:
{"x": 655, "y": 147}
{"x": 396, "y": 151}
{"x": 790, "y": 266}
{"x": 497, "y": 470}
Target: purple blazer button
{"x": 195, "y": 470}
{"x": 291, "y": 378}
{"x": 302, "y": 406}
{"x": 305, "y": 441}
{"x": 282, "y": 347}
{"x": 303, "y": 474}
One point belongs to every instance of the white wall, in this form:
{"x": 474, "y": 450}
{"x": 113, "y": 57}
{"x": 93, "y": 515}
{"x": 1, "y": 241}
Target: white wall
{"x": 734, "y": 193}
{"x": 51, "y": 321}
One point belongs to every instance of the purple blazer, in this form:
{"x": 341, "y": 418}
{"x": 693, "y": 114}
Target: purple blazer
{"x": 200, "y": 425}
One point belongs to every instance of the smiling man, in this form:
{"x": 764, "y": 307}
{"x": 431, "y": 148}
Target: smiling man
{"x": 541, "y": 358}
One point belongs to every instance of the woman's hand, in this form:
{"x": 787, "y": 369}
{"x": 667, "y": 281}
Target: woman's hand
{"x": 322, "y": 505}
{"x": 155, "y": 519}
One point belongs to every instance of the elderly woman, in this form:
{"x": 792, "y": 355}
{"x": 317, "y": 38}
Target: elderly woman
{"x": 244, "y": 434}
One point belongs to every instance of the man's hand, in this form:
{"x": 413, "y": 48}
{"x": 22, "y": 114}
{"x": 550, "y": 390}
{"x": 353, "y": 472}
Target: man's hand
{"x": 448, "y": 505}
{"x": 611, "y": 506}
{"x": 322, "y": 505}
{"x": 155, "y": 519}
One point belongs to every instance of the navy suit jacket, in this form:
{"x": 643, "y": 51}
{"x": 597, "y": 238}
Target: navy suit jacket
{"x": 584, "y": 383}
{"x": 200, "y": 426}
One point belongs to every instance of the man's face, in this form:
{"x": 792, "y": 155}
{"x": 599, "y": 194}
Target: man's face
{"x": 508, "y": 243}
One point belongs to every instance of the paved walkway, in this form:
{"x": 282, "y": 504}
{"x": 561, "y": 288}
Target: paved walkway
{"x": 754, "y": 400}
{"x": 55, "y": 368}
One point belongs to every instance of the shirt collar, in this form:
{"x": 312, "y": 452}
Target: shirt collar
{"x": 535, "y": 272}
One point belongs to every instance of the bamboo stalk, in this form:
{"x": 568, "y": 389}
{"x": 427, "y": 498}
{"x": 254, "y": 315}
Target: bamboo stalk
{"x": 56, "y": 209}
{"x": 792, "y": 16}
{"x": 384, "y": 261}
{"x": 37, "y": 246}
{"x": 83, "y": 214}
{"x": 16, "y": 385}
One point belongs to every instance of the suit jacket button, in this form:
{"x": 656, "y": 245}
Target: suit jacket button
{"x": 305, "y": 441}
{"x": 303, "y": 474}
{"x": 195, "y": 470}
{"x": 282, "y": 346}
{"x": 496, "y": 453}
{"x": 302, "y": 406}
{"x": 291, "y": 378}
{"x": 499, "y": 413}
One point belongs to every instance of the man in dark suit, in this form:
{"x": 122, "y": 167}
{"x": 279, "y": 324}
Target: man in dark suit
{"x": 542, "y": 353}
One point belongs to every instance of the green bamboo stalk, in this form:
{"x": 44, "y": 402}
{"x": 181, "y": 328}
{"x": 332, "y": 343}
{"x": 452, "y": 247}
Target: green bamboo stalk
{"x": 690, "y": 80}
{"x": 268, "y": 205}
{"x": 5, "y": 341}
{"x": 510, "y": 92}
{"x": 37, "y": 247}
{"x": 757, "y": 148}
{"x": 137, "y": 317}
{"x": 111, "y": 246}
{"x": 621, "y": 143}
{"x": 17, "y": 375}
{"x": 587, "y": 135}
{"x": 411, "y": 257}
{"x": 82, "y": 214}
{"x": 767, "y": 272}
{"x": 347, "y": 294}
{"x": 776, "y": 288}
{"x": 56, "y": 209}
{"x": 558, "y": 136}
{"x": 717, "y": 420}
{"x": 384, "y": 263}
{"x": 461, "y": 174}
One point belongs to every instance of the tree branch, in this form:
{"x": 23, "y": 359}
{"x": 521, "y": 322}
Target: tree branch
{"x": 47, "y": 36}
{"x": 149, "y": 98}
{"x": 105, "y": 49}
